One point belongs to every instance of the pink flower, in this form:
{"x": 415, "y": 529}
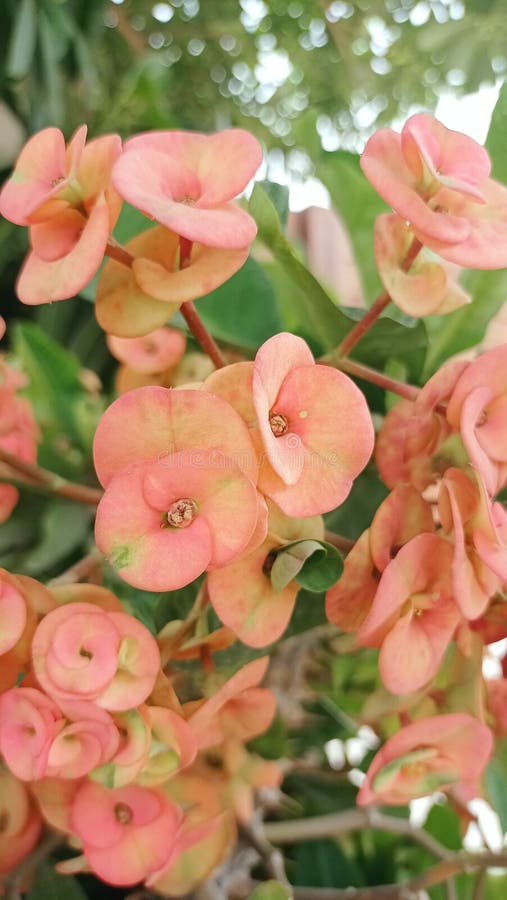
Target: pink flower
{"x": 186, "y": 181}
{"x": 438, "y": 753}
{"x": 136, "y": 300}
{"x": 239, "y": 710}
{"x": 127, "y": 833}
{"x": 402, "y": 515}
{"x": 176, "y": 502}
{"x": 155, "y": 352}
{"x": 310, "y": 424}
{"x": 413, "y": 616}
{"x": 29, "y": 722}
{"x": 437, "y": 180}
{"x": 64, "y": 195}
{"x": 426, "y": 288}
{"x": 478, "y": 408}
{"x": 82, "y": 652}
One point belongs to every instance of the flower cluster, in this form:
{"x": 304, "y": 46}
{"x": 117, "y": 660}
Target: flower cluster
{"x": 95, "y": 742}
{"x": 226, "y": 474}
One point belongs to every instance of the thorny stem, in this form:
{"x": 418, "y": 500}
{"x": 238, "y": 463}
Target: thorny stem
{"x": 272, "y": 859}
{"x": 383, "y": 300}
{"x": 449, "y": 865}
{"x": 50, "y": 481}
{"x": 313, "y": 828}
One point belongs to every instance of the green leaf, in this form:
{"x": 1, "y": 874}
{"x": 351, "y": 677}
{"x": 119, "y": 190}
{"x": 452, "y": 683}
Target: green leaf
{"x": 244, "y": 310}
{"x": 23, "y": 39}
{"x": 496, "y": 781}
{"x": 63, "y": 408}
{"x": 315, "y": 565}
{"x": 271, "y": 890}
{"x": 315, "y": 309}
{"x": 279, "y": 196}
{"x": 466, "y": 327}
{"x": 65, "y": 527}
{"x": 358, "y": 204}
{"x": 496, "y": 140}
{"x": 50, "y": 885}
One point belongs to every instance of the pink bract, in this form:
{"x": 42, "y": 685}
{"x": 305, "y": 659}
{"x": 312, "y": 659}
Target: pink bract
{"x": 239, "y": 709}
{"x": 162, "y": 524}
{"x": 136, "y": 300}
{"x": 437, "y": 753}
{"x": 29, "y": 722}
{"x": 478, "y": 408}
{"x": 155, "y": 352}
{"x": 426, "y": 288}
{"x": 242, "y": 593}
{"x": 151, "y": 423}
{"x": 66, "y": 198}
{"x": 186, "y": 181}
{"x": 127, "y": 833}
{"x": 413, "y": 615}
{"x": 437, "y": 180}
{"x": 82, "y": 652}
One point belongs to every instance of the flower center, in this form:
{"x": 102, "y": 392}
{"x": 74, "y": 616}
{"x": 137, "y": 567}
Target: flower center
{"x": 123, "y": 813}
{"x": 278, "y": 423}
{"x": 181, "y": 513}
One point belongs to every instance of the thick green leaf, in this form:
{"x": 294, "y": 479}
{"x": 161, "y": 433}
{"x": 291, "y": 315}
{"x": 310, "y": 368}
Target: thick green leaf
{"x": 270, "y": 890}
{"x": 65, "y": 527}
{"x": 23, "y": 39}
{"x": 496, "y": 781}
{"x": 466, "y": 327}
{"x": 66, "y": 413}
{"x": 244, "y": 310}
{"x": 279, "y": 196}
{"x": 49, "y": 885}
{"x": 358, "y": 204}
{"x": 496, "y": 140}
{"x": 315, "y": 565}
{"x": 315, "y": 309}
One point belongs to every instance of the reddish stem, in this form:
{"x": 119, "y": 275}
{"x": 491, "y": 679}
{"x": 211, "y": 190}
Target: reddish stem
{"x": 202, "y": 335}
{"x": 383, "y": 300}
{"x": 52, "y": 482}
{"x": 115, "y": 251}
{"x": 408, "y": 391}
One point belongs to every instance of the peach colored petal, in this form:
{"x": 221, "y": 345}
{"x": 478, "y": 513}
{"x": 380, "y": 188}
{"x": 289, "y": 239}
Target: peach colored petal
{"x": 349, "y": 601}
{"x": 426, "y": 289}
{"x": 463, "y": 746}
{"x": 40, "y": 171}
{"x": 207, "y": 269}
{"x": 245, "y": 600}
{"x": 155, "y": 352}
{"x": 57, "y": 237}
{"x": 43, "y": 282}
{"x": 180, "y": 180}
{"x": 151, "y": 423}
